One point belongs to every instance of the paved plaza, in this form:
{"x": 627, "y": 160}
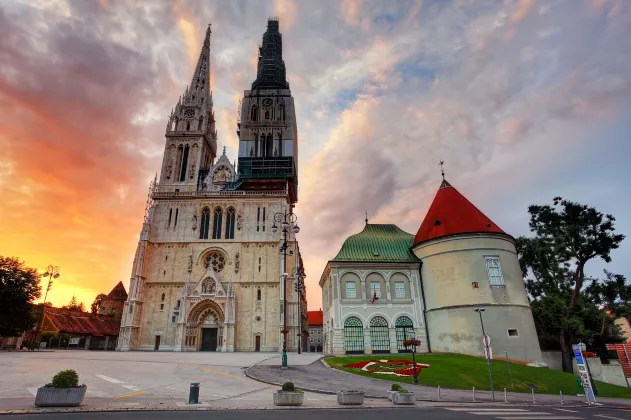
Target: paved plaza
{"x": 138, "y": 379}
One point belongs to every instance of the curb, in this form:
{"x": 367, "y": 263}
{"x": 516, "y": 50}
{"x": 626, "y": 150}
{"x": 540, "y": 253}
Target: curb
{"x": 319, "y": 391}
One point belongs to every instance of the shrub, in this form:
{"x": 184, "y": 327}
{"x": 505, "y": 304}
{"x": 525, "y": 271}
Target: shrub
{"x": 396, "y": 387}
{"x": 65, "y": 379}
{"x": 403, "y": 390}
{"x": 289, "y": 387}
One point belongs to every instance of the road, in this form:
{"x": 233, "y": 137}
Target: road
{"x": 425, "y": 413}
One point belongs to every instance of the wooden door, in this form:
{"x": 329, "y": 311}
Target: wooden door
{"x": 257, "y": 341}
{"x": 209, "y": 339}
{"x": 157, "y": 345}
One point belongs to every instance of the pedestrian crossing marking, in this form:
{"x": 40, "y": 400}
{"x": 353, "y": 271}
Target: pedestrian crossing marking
{"x": 504, "y": 413}
{"x": 529, "y": 417}
{"x": 486, "y": 409}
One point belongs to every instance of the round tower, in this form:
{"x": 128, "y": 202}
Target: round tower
{"x": 468, "y": 262}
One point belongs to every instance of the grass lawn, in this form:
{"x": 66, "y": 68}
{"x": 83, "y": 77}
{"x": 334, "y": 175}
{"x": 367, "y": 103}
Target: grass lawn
{"x": 457, "y": 371}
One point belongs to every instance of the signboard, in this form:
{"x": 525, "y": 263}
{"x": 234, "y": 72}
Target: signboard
{"x": 74, "y": 341}
{"x": 584, "y": 373}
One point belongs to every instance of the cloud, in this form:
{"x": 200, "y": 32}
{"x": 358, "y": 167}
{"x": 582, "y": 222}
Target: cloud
{"x": 505, "y": 92}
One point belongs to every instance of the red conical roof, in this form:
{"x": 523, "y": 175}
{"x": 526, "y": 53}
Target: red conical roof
{"x": 451, "y": 213}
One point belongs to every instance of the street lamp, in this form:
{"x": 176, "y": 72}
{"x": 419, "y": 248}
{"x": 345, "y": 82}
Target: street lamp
{"x": 488, "y": 353}
{"x": 52, "y": 272}
{"x": 288, "y": 221}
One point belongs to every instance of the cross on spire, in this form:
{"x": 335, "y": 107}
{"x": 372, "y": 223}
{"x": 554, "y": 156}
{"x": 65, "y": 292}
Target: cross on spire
{"x": 442, "y": 170}
{"x": 366, "y": 217}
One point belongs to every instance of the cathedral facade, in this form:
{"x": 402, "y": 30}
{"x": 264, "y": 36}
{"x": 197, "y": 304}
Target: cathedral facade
{"x": 208, "y": 274}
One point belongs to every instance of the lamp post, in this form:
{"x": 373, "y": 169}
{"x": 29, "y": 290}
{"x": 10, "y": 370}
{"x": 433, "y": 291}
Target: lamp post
{"x": 52, "y": 272}
{"x": 488, "y": 353}
{"x": 288, "y": 221}
{"x": 298, "y": 290}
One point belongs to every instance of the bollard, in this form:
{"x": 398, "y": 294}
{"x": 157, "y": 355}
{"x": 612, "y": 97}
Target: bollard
{"x": 561, "y": 394}
{"x": 438, "y": 392}
{"x": 505, "y": 396}
{"x": 473, "y": 394}
{"x": 193, "y": 395}
{"x": 533, "y": 396}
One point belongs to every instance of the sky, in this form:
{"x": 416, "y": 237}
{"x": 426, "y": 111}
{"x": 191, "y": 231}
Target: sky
{"x": 523, "y": 100}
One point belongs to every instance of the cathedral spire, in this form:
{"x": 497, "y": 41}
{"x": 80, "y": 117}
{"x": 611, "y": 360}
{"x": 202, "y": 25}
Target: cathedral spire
{"x": 270, "y": 73}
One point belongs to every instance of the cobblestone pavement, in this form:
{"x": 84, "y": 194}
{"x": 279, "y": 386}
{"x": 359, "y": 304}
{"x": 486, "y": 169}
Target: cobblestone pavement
{"x": 318, "y": 377}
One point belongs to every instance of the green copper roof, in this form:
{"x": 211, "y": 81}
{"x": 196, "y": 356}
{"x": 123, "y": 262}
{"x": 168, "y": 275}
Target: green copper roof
{"x": 378, "y": 243}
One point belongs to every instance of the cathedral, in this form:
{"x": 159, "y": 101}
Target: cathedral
{"x": 218, "y": 266}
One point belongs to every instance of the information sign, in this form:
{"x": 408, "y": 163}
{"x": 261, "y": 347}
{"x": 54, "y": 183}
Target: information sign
{"x": 584, "y": 374}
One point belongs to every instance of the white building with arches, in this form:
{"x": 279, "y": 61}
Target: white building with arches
{"x": 371, "y": 296}
{"x": 207, "y": 274}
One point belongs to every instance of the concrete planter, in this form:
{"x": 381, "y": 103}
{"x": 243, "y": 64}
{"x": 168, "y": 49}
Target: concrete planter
{"x": 403, "y": 398}
{"x": 350, "y": 397}
{"x": 390, "y": 394}
{"x": 59, "y": 397}
{"x": 288, "y": 398}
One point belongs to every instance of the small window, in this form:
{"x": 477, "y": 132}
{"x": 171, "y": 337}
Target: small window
{"x": 175, "y": 222}
{"x": 351, "y": 290}
{"x": 162, "y": 297}
{"x": 375, "y": 289}
{"x": 494, "y": 270}
{"x": 131, "y": 309}
{"x": 162, "y": 306}
{"x": 259, "y": 264}
{"x": 512, "y": 332}
{"x": 170, "y": 214}
{"x": 399, "y": 289}
{"x": 258, "y": 294}
{"x": 166, "y": 258}
{"x": 258, "y": 318}
{"x": 173, "y": 318}
{"x": 178, "y": 303}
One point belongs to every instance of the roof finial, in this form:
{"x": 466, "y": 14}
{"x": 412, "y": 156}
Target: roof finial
{"x": 366, "y": 217}
{"x": 224, "y": 149}
{"x": 442, "y": 170}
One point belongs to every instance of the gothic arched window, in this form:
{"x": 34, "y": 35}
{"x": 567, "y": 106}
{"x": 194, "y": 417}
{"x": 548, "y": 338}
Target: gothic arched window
{"x": 258, "y": 294}
{"x": 269, "y": 146}
{"x": 254, "y": 113}
{"x": 230, "y": 223}
{"x": 184, "y": 162}
{"x": 217, "y": 223}
{"x": 178, "y": 162}
{"x": 205, "y": 223}
{"x": 188, "y": 126}
{"x": 281, "y": 111}
{"x": 201, "y": 122}
{"x": 267, "y": 114}
{"x": 163, "y": 297}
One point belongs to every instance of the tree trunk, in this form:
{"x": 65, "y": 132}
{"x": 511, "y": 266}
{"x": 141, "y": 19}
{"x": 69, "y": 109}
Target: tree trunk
{"x": 566, "y": 353}
{"x": 578, "y": 284}
{"x": 602, "y": 330}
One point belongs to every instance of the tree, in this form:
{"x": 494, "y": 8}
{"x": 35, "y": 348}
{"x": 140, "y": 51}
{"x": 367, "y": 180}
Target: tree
{"x": 19, "y": 287}
{"x": 94, "y": 308}
{"x": 74, "y": 306}
{"x": 567, "y": 236}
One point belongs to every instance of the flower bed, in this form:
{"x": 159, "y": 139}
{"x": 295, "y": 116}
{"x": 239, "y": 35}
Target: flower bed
{"x": 388, "y": 367}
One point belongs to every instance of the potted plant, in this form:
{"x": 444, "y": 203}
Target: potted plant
{"x": 350, "y": 397}
{"x": 394, "y": 388}
{"x": 63, "y": 391}
{"x": 403, "y": 397}
{"x": 288, "y": 395}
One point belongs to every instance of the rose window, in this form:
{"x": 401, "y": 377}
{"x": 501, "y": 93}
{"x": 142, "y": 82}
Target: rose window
{"x": 215, "y": 259}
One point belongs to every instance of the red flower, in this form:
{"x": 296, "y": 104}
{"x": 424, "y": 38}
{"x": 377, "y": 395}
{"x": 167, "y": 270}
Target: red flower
{"x": 358, "y": 365}
{"x": 408, "y": 371}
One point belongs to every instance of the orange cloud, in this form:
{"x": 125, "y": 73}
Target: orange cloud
{"x": 286, "y": 12}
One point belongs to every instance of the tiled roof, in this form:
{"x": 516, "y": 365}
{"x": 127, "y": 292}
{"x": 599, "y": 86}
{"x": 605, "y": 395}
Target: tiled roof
{"x": 451, "y": 213}
{"x": 118, "y": 292}
{"x": 82, "y": 323}
{"x": 378, "y": 243}
{"x": 315, "y": 317}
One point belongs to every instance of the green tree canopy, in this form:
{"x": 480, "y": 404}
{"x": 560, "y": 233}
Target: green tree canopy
{"x": 19, "y": 287}
{"x": 94, "y": 308}
{"x": 73, "y": 305}
{"x": 567, "y": 236}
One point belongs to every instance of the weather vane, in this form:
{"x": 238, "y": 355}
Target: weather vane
{"x": 442, "y": 170}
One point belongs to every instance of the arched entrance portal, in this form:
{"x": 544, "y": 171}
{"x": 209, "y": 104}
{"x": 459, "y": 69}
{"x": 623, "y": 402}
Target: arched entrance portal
{"x": 205, "y": 327}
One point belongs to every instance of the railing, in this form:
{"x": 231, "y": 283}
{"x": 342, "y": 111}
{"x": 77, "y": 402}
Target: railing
{"x": 164, "y": 194}
{"x": 624, "y": 352}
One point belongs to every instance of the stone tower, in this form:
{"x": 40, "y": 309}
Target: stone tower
{"x": 268, "y": 135}
{"x": 468, "y": 262}
{"x": 207, "y": 273}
